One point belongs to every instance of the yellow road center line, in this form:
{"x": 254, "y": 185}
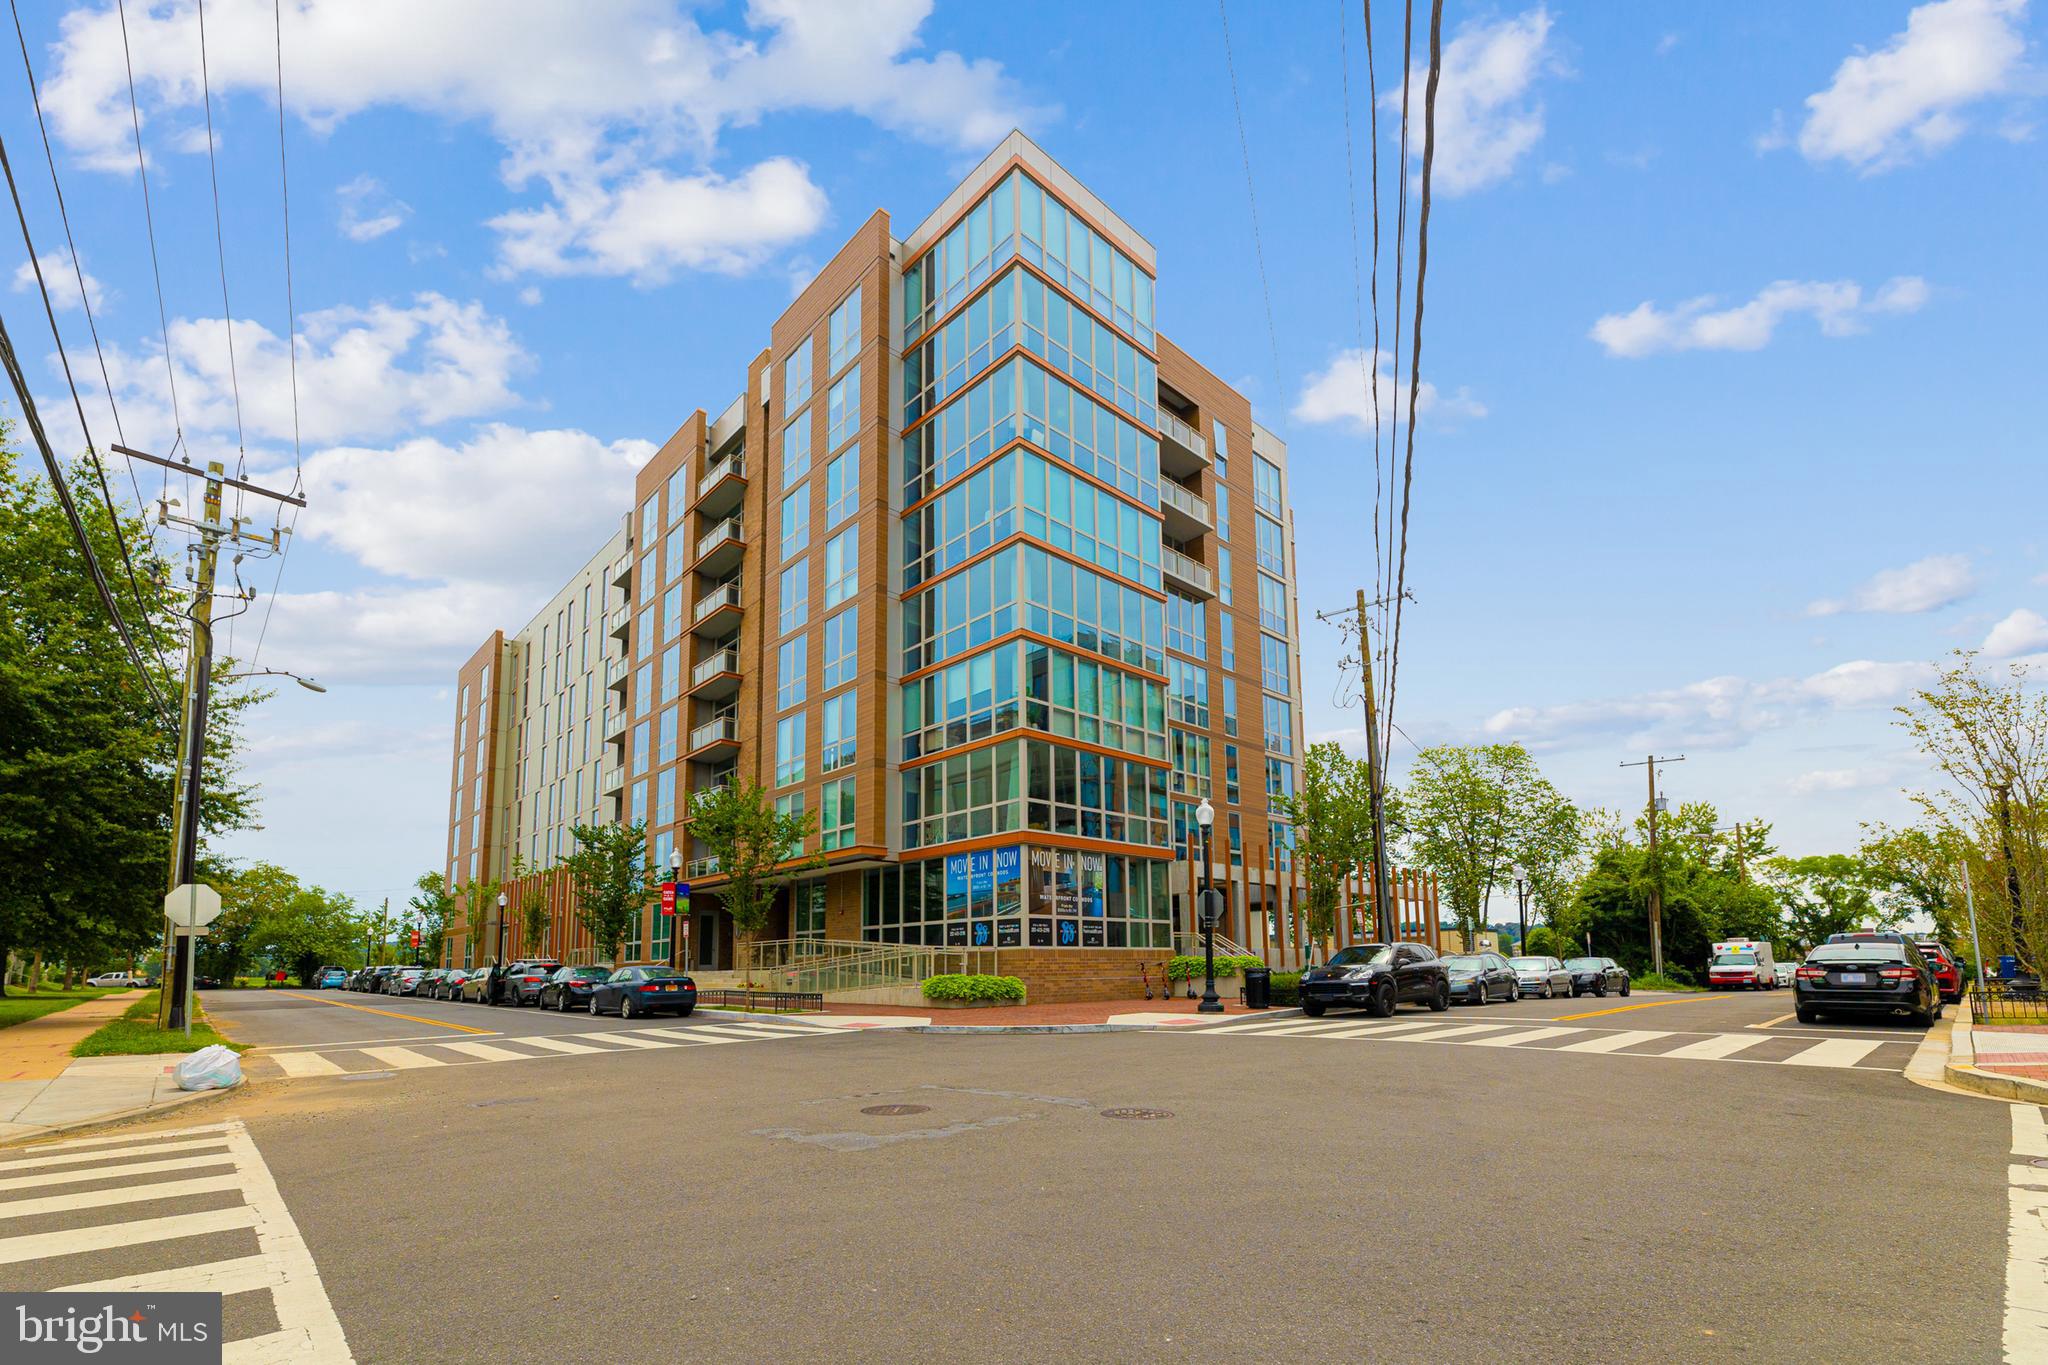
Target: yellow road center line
{"x": 1646, "y": 1005}
{"x": 1770, "y": 1023}
{"x": 388, "y": 1014}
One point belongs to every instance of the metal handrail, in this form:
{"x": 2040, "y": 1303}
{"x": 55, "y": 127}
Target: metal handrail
{"x": 729, "y": 529}
{"x": 1188, "y": 570}
{"x": 1190, "y": 945}
{"x": 724, "y": 595}
{"x": 845, "y": 964}
{"x": 722, "y": 661}
{"x": 1181, "y": 432}
{"x": 1173, "y": 495}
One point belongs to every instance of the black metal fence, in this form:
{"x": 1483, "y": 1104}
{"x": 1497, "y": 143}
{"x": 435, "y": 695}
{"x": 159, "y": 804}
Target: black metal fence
{"x": 786, "y": 1001}
{"x": 2019, "y": 1001}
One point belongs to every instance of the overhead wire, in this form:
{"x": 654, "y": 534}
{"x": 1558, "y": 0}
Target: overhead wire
{"x": 1368, "y": 361}
{"x": 1385, "y": 607}
{"x": 1252, "y": 197}
{"x": 220, "y": 249}
{"x": 291, "y": 335}
{"x": 156, "y": 270}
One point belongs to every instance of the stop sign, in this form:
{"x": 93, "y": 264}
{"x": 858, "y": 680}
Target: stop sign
{"x": 193, "y": 905}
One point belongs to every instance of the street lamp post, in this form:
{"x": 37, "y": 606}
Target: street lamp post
{"x": 1521, "y": 909}
{"x": 498, "y": 961}
{"x": 675, "y": 874}
{"x": 503, "y": 901}
{"x": 1205, "y": 816}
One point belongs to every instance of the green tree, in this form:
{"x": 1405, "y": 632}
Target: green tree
{"x": 1331, "y": 811}
{"x": 531, "y": 899}
{"x": 435, "y": 906}
{"x": 759, "y": 851}
{"x": 1826, "y": 894}
{"x": 1915, "y": 872}
{"x": 612, "y": 880}
{"x": 1549, "y": 846}
{"x": 1473, "y": 810}
{"x": 313, "y": 928}
{"x": 1545, "y": 941}
{"x": 249, "y": 897}
{"x": 479, "y": 905}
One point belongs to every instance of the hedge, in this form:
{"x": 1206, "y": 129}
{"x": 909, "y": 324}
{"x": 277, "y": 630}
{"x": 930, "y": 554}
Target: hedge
{"x": 1286, "y": 988}
{"x": 1188, "y": 967}
{"x": 959, "y": 986}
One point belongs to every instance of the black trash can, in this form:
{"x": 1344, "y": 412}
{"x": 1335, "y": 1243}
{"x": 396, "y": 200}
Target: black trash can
{"x": 1258, "y": 988}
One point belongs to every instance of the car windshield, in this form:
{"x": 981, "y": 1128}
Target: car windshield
{"x": 1735, "y": 960}
{"x": 1462, "y": 962}
{"x": 1583, "y": 964}
{"x": 1530, "y": 964}
{"x": 1363, "y": 955}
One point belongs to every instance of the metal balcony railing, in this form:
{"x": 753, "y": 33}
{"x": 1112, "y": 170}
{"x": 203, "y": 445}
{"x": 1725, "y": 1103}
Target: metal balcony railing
{"x": 720, "y": 597}
{"x": 712, "y": 731}
{"x": 1185, "y": 569}
{"x": 817, "y": 964}
{"x": 1180, "y": 499}
{"x": 1183, "y": 435}
{"x": 720, "y": 661}
{"x": 725, "y": 531}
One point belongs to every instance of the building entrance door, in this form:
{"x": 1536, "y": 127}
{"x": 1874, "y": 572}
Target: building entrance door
{"x": 706, "y": 946}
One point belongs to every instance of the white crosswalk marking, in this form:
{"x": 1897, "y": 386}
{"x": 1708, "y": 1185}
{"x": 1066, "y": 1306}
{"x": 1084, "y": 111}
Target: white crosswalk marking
{"x": 238, "y": 1276}
{"x": 77, "y": 1158}
{"x": 75, "y": 1175}
{"x": 633, "y": 1040}
{"x": 1834, "y": 1052}
{"x": 1460, "y": 1031}
{"x": 1521, "y": 1036}
{"x": 337, "y": 1061}
{"x": 1719, "y": 1046}
{"x": 41, "y": 1246}
{"x": 1377, "y": 1030}
{"x": 2026, "y": 1259}
{"x": 1614, "y": 1042}
{"x": 484, "y": 1052}
{"x": 126, "y": 1194}
{"x": 399, "y": 1058}
{"x": 306, "y": 1064}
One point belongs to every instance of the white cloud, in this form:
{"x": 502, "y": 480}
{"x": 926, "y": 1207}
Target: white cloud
{"x": 1838, "y": 307}
{"x": 530, "y": 295}
{"x": 1885, "y": 108}
{"x": 2023, "y": 632}
{"x": 507, "y": 506}
{"x": 386, "y": 634}
{"x": 1924, "y": 585}
{"x": 61, "y": 278}
{"x": 590, "y": 99}
{"x": 363, "y": 373}
{"x": 368, "y": 211}
{"x": 1824, "y": 781}
{"x": 1718, "y": 712}
{"x": 1486, "y": 118}
{"x": 1341, "y": 392}
{"x": 654, "y": 224}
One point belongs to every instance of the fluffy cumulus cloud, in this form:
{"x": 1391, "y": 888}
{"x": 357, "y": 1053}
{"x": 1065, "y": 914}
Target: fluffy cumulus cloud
{"x": 1721, "y": 712}
{"x": 1924, "y": 585}
{"x": 2023, "y": 632}
{"x": 62, "y": 279}
{"x": 1838, "y": 307}
{"x": 1343, "y": 392}
{"x": 368, "y": 210}
{"x": 1487, "y": 115}
{"x": 1891, "y": 106}
{"x": 592, "y": 102}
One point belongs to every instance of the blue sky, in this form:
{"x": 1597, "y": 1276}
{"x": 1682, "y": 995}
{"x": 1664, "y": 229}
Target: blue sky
{"x": 1732, "y": 332}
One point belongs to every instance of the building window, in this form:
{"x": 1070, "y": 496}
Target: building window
{"x": 1187, "y": 693}
{"x": 842, "y": 566}
{"x": 842, "y": 646}
{"x": 673, "y": 552}
{"x": 1279, "y": 778}
{"x": 1190, "y": 763}
{"x": 1222, "y": 511}
{"x": 842, "y": 720}
{"x": 842, "y": 487}
{"x": 794, "y": 607}
{"x": 1227, "y": 638}
{"x": 796, "y": 376}
{"x": 642, "y": 733}
{"x": 678, "y": 499}
{"x": 1272, "y": 545}
{"x": 835, "y": 820}
{"x": 671, "y": 611}
{"x": 1232, "y": 792}
{"x": 1229, "y": 705}
{"x": 643, "y": 693}
{"x": 1273, "y": 671}
{"x": 1279, "y": 726}
{"x": 1223, "y": 574}
{"x": 665, "y": 797}
{"x": 1272, "y": 604}
{"x": 796, "y": 450}
{"x": 1265, "y": 485}
{"x": 843, "y": 333}
{"x": 1221, "y": 449}
{"x": 796, "y": 527}
{"x": 789, "y": 750}
{"x": 669, "y": 723}
{"x": 807, "y": 909}
{"x": 1187, "y": 625}
{"x": 842, "y": 410}
{"x": 789, "y": 673}
{"x": 650, "y": 523}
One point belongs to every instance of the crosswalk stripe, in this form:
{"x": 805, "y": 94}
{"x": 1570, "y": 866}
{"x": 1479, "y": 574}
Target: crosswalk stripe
{"x": 299, "y": 1065}
{"x": 1460, "y": 1031}
{"x": 126, "y": 1194}
{"x": 2029, "y": 1131}
{"x": 1834, "y": 1052}
{"x": 119, "y": 1139}
{"x": 1614, "y": 1042}
{"x": 401, "y": 1058}
{"x": 175, "y": 1163}
{"x": 272, "y": 1348}
{"x": 238, "y": 1276}
{"x": 109, "y": 1154}
{"x": 755, "y": 1030}
{"x": 1719, "y": 1046}
{"x": 1290, "y": 1024}
{"x": 630, "y": 1041}
{"x": 485, "y": 1052}
{"x": 106, "y": 1236}
{"x": 563, "y": 1045}
{"x": 1377, "y": 1030}
{"x": 1521, "y": 1036}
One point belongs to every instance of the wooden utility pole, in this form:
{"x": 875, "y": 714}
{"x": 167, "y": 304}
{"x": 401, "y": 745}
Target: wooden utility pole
{"x": 1386, "y": 924}
{"x": 1649, "y": 765}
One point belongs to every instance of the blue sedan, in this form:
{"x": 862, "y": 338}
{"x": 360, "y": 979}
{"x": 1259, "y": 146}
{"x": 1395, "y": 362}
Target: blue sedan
{"x": 637, "y": 991}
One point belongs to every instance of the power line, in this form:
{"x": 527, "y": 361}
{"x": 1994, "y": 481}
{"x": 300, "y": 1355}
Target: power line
{"x": 1252, "y": 196}
{"x": 149, "y": 226}
{"x": 1372, "y": 98}
{"x": 1368, "y": 363}
{"x": 1400, "y": 294}
{"x": 291, "y": 331}
{"x": 227, "y": 311}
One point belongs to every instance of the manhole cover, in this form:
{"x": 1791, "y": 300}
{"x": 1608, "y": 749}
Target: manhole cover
{"x": 1137, "y": 1113}
{"x": 492, "y": 1104}
{"x": 893, "y": 1111}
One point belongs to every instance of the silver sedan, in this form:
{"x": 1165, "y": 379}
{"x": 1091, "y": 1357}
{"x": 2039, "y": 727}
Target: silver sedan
{"x": 1544, "y": 976}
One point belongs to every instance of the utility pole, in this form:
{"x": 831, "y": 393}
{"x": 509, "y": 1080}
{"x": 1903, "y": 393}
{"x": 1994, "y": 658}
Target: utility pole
{"x": 1386, "y": 924}
{"x": 1649, "y": 765}
{"x": 174, "y": 1004}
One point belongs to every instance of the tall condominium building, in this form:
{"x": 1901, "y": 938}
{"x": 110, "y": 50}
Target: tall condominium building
{"x": 980, "y": 569}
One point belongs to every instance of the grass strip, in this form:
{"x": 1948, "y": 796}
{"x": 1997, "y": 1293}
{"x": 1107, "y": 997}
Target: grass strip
{"x": 135, "y": 1034}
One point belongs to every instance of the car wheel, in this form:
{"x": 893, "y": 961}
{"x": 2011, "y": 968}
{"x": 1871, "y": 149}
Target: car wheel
{"x": 562, "y": 1002}
{"x": 1383, "y": 1002}
{"x": 1476, "y": 994}
{"x": 684, "y": 1012}
{"x": 1314, "y": 1009}
{"x": 1441, "y": 1001}
{"x": 625, "y": 1006}
{"x": 1514, "y": 991}
{"x": 1624, "y": 989}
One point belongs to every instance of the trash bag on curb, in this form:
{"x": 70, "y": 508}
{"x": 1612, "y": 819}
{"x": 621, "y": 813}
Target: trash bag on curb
{"x": 210, "y": 1068}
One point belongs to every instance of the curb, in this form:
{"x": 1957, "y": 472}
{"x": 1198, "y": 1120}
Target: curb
{"x": 1998, "y": 1087}
{"x": 178, "y": 1101}
{"x": 1278, "y": 1012}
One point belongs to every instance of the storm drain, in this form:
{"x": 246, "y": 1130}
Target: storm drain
{"x": 1137, "y": 1113}
{"x": 894, "y": 1111}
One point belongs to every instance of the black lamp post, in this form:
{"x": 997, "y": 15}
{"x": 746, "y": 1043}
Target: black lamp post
{"x": 675, "y": 875}
{"x": 1205, "y": 816}
{"x": 1522, "y": 909}
{"x": 503, "y": 901}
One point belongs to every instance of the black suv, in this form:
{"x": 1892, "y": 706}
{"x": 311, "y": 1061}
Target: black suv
{"x": 1377, "y": 977}
{"x": 1597, "y": 976}
{"x": 523, "y": 981}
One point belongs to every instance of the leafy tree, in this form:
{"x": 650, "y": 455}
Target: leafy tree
{"x": 1916, "y": 872}
{"x": 479, "y": 904}
{"x": 313, "y": 928}
{"x": 1549, "y": 845}
{"x": 1331, "y": 811}
{"x": 249, "y": 897}
{"x": 532, "y": 900}
{"x": 1545, "y": 941}
{"x": 759, "y": 851}
{"x": 612, "y": 881}
{"x": 1471, "y": 811}
{"x": 1826, "y": 894}
{"x": 435, "y": 906}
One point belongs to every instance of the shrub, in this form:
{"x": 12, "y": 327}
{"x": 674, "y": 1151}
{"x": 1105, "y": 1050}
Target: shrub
{"x": 1188, "y": 966}
{"x": 1650, "y": 981}
{"x": 1287, "y": 988}
{"x": 1007, "y": 990}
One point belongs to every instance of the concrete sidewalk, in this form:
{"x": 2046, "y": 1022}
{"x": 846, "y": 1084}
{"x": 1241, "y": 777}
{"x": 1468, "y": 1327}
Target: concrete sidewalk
{"x": 44, "y": 1089}
{"x": 2009, "y": 1061}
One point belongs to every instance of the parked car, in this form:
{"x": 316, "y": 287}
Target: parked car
{"x": 476, "y": 986}
{"x": 636, "y": 991}
{"x": 375, "y": 981}
{"x": 449, "y": 987}
{"x": 570, "y": 987}
{"x": 329, "y": 978}
{"x": 1783, "y": 973}
{"x": 425, "y": 990}
{"x": 205, "y": 983}
{"x": 1544, "y": 976}
{"x": 523, "y": 980}
{"x": 1479, "y": 977}
{"x": 1948, "y": 973}
{"x": 405, "y": 981}
{"x": 1864, "y": 977}
{"x": 1377, "y": 977}
{"x": 114, "y": 979}
{"x": 1597, "y": 976}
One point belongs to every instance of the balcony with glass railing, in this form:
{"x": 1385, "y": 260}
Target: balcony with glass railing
{"x": 724, "y": 485}
{"x": 716, "y": 611}
{"x": 620, "y": 622}
{"x": 716, "y": 738}
{"x": 1186, "y": 573}
{"x": 1182, "y": 449}
{"x": 719, "y": 548}
{"x": 717, "y": 674}
{"x": 1184, "y": 512}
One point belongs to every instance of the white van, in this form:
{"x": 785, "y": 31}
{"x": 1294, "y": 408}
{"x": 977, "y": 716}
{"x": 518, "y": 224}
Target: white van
{"x": 1742, "y": 964}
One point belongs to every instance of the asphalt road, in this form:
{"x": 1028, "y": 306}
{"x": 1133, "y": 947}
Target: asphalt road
{"x": 1297, "y": 1195}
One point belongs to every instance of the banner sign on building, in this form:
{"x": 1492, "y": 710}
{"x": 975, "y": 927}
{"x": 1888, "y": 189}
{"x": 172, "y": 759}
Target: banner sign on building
{"x": 956, "y": 887}
{"x": 1041, "y": 933}
{"x": 1010, "y": 933}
